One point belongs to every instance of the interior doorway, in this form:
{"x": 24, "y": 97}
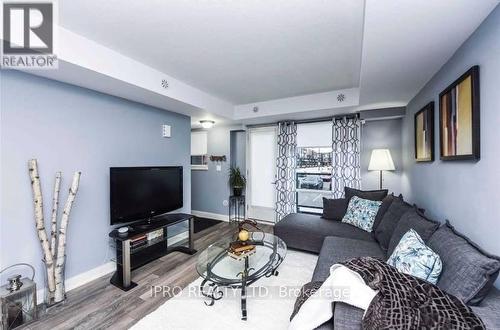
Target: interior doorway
{"x": 261, "y": 173}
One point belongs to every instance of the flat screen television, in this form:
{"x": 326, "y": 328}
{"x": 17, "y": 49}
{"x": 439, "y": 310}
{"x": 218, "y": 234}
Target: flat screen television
{"x": 138, "y": 193}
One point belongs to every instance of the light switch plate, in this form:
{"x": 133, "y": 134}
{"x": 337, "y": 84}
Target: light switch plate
{"x": 218, "y": 168}
{"x": 166, "y": 131}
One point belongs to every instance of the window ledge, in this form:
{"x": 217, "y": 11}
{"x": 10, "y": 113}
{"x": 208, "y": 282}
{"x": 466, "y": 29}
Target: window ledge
{"x": 199, "y": 167}
{"x": 321, "y": 191}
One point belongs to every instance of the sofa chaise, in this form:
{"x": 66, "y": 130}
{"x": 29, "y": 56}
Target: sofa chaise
{"x": 468, "y": 272}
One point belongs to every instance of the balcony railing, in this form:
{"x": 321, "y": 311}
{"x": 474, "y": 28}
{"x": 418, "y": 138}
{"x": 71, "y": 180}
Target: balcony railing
{"x": 310, "y": 190}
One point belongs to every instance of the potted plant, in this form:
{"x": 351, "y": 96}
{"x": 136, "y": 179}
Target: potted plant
{"x": 237, "y": 180}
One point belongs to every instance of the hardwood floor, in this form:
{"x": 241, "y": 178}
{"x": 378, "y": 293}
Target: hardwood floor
{"x": 100, "y": 305}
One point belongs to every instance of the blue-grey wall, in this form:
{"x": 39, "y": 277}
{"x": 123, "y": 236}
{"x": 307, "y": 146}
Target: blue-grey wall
{"x": 466, "y": 193}
{"x": 238, "y": 149}
{"x": 382, "y": 134}
{"x": 209, "y": 189}
{"x": 69, "y": 128}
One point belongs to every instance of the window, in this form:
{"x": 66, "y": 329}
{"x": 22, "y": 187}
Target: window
{"x": 314, "y": 166}
{"x": 199, "y": 158}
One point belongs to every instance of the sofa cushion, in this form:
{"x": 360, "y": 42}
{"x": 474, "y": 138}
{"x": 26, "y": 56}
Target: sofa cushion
{"x": 347, "y": 317}
{"x": 306, "y": 232}
{"x": 373, "y": 195}
{"x": 468, "y": 272}
{"x": 361, "y": 213}
{"x": 412, "y": 219}
{"x": 339, "y": 249}
{"x": 385, "y": 229}
{"x": 386, "y": 202}
{"x": 411, "y": 256}
{"x": 334, "y": 209}
{"x": 328, "y": 325}
{"x": 489, "y": 309}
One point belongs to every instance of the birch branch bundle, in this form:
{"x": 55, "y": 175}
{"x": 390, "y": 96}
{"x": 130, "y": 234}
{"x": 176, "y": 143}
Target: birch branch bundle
{"x": 61, "y": 247}
{"x": 40, "y": 224}
{"x": 55, "y": 250}
{"x": 53, "y": 220}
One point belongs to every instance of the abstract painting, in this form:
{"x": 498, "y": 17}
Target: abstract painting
{"x": 459, "y": 118}
{"x": 424, "y": 134}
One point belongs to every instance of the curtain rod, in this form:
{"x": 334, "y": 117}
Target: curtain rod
{"x": 308, "y": 121}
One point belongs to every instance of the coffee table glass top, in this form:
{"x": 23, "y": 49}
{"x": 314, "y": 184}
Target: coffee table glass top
{"x": 216, "y": 265}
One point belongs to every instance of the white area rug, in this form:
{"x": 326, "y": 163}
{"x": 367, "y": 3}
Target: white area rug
{"x": 272, "y": 311}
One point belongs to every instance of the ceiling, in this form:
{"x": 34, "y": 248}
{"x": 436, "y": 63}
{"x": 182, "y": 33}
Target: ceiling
{"x": 406, "y": 42}
{"x": 242, "y": 51}
{"x": 277, "y": 51}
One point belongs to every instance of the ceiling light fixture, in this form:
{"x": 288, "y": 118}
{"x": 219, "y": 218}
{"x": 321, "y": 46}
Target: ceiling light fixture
{"x": 207, "y": 123}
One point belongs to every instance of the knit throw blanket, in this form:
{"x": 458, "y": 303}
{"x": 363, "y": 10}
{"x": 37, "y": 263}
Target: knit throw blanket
{"x": 403, "y": 301}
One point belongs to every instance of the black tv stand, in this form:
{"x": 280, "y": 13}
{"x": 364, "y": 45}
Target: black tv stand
{"x": 129, "y": 257}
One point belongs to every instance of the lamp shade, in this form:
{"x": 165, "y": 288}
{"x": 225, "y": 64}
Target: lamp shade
{"x": 381, "y": 160}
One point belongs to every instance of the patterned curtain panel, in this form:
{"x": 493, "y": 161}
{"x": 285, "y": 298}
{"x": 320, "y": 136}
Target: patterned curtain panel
{"x": 346, "y": 147}
{"x": 285, "y": 169}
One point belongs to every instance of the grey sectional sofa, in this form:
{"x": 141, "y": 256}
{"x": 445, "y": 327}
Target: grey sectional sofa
{"x": 335, "y": 242}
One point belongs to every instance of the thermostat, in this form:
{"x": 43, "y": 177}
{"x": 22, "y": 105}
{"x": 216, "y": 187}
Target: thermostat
{"x": 167, "y": 131}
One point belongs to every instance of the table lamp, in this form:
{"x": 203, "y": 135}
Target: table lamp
{"x": 381, "y": 160}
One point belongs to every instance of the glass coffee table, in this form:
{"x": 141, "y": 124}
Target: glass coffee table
{"x": 218, "y": 269}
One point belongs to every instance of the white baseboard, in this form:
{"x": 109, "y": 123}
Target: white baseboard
{"x": 90, "y": 275}
{"x": 81, "y": 279}
{"x": 216, "y": 216}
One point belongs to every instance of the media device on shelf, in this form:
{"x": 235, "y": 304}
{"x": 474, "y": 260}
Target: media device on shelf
{"x": 123, "y": 230}
{"x": 143, "y": 193}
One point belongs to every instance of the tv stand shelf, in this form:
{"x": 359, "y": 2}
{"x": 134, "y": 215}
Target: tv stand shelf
{"x": 129, "y": 258}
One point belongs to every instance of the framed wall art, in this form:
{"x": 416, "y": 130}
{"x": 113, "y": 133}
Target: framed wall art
{"x": 424, "y": 134}
{"x": 459, "y": 118}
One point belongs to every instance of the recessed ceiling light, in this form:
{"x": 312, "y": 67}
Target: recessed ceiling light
{"x": 207, "y": 123}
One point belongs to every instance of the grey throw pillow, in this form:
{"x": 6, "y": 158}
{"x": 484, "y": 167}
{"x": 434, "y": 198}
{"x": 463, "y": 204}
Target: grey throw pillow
{"x": 386, "y": 202}
{"x": 468, "y": 272}
{"x": 334, "y": 209}
{"x": 373, "y": 195}
{"x": 385, "y": 229}
{"x": 412, "y": 219}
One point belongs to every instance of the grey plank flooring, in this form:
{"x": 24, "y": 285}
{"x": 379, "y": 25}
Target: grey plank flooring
{"x": 100, "y": 305}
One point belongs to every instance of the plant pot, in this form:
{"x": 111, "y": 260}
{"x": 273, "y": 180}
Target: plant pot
{"x": 237, "y": 191}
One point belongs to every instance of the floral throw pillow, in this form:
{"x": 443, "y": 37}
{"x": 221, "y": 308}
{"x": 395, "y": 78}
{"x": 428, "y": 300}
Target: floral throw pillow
{"x": 361, "y": 213}
{"x": 411, "y": 256}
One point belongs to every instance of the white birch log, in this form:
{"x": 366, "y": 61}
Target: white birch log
{"x": 53, "y": 220}
{"x": 40, "y": 224}
{"x": 61, "y": 242}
